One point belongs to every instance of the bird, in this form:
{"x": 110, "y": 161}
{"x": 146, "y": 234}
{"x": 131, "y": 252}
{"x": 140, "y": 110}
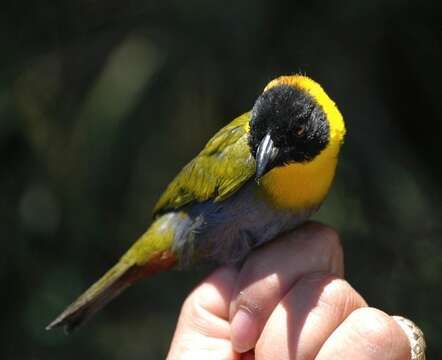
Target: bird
{"x": 261, "y": 175}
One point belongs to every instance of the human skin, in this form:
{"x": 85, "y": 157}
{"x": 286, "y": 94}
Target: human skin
{"x": 288, "y": 300}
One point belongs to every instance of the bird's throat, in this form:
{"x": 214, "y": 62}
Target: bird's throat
{"x": 299, "y": 186}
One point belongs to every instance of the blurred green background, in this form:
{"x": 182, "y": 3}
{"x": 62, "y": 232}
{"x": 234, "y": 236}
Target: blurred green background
{"x": 102, "y": 102}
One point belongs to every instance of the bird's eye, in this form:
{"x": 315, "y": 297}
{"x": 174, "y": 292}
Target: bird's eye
{"x": 299, "y": 131}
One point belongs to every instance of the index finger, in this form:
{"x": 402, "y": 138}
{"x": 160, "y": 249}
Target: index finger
{"x": 270, "y": 271}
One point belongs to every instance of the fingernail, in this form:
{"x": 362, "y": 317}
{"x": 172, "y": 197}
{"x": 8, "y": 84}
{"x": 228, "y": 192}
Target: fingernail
{"x": 243, "y": 331}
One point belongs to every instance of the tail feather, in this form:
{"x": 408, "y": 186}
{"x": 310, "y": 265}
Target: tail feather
{"x": 110, "y": 285}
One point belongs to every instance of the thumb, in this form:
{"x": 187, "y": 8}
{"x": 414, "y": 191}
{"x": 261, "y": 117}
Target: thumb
{"x": 203, "y": 330}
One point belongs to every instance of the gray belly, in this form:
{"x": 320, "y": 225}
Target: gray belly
{"x": 228, "y": 230}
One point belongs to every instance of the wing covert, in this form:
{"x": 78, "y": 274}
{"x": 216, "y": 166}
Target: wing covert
{"x": 216, "y": 172}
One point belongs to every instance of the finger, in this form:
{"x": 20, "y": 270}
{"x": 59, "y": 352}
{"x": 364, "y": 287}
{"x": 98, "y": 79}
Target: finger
{"x": 249, "y": 355}
{"x": 270, "y": 271}
{"x": 203, "y": 330}
{"x": 367, "y": 334}
{"x": 313, "y": 308}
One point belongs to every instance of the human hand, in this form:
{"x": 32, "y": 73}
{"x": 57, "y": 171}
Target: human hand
{"x": 288, "y": 301}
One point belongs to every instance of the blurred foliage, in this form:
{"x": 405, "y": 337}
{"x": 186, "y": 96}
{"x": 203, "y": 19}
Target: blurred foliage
{"x": 101, "y": 102}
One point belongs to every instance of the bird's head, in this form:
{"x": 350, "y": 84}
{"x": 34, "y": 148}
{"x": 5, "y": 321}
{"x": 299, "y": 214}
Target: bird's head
{"x": 293, "y": 120}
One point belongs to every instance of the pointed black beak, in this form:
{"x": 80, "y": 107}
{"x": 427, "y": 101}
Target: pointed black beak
{"x": 265, "y": 155}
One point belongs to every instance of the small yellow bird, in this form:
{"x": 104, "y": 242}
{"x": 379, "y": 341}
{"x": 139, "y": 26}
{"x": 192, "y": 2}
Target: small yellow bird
{"x": 263, "y": 174}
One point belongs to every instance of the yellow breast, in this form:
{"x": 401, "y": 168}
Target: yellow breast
{"x": 302, "y": 185}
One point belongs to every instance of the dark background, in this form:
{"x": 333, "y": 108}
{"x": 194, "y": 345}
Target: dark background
{"x": 101, "y": 102}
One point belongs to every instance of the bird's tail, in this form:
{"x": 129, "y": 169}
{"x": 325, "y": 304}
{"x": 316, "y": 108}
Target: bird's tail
{"x": 127, "y": 271}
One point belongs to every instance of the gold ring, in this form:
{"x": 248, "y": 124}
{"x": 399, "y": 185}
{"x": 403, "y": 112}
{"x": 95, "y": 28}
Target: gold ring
{"x": 414, "y": 335}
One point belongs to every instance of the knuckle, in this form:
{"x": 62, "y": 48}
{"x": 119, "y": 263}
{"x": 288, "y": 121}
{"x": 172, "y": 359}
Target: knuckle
{"x": 339, "y": 293}
{"x": 328, "y": 236}
{"x": 188, "y": 304}
{"x": 322, "y": 237}
{"x": 252, "y": 268}
{"x": 195, "y": 314}
{"x": 328, "y": 284}
{"x": 318, "y": 279}
{"x": 376, "y": 329}
{"x": 336, "y": 293}
{"x": 258, "y": 292}
{"x": 330, "y": 295}
{"x": 191, "y": 306}
{"x": 250, "y": 304}
{"x": 332, "y": 292}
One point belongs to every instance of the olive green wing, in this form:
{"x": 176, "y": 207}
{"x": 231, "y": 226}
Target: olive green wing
{"x": 216, "y": 172}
